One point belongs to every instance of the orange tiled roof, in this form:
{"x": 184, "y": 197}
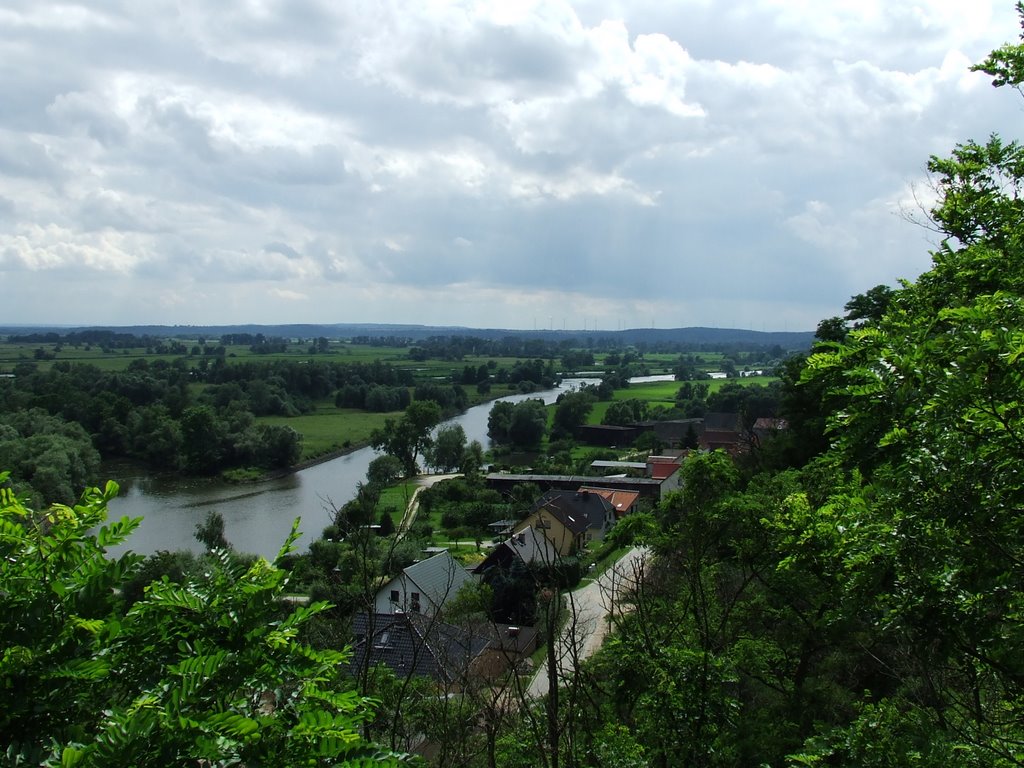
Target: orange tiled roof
{"x": 621, "y": 501}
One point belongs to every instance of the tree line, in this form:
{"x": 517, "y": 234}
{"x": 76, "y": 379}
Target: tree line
{"x": 58, "y": 422}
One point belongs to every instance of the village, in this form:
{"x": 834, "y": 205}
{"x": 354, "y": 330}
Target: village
{"x": 493, "y": 629}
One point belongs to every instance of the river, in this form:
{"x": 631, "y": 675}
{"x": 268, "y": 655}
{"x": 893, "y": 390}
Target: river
{"x": 258, "y": 516}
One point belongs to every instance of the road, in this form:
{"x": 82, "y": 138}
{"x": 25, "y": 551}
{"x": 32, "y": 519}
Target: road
{"x": 423, "y": 481}
{"x": 591, "y": 606}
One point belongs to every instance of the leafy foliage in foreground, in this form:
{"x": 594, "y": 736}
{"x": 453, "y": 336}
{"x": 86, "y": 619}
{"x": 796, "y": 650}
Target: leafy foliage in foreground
{"x": 211, "y": 670}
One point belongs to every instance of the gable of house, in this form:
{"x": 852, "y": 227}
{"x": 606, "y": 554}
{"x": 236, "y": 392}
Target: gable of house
{"x": 527, "y": 544}
{"x": 563, "y": 532}
{"x": 423, "y": 587}
{"x": 572, "y": 518}
{"x": 622, "y": 502}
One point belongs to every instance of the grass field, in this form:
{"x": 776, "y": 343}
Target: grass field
{"x": 664, "y": 393}
{"x": 395, "y": 500}
{"x": 658, "y": 391}
{"x": 338, "y": 352}
{"x": 330, "y": 429}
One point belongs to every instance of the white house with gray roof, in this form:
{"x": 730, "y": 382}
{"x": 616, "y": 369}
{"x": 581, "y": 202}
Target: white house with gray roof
{"x": 423, "y": 587}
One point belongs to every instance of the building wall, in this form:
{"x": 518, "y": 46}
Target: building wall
{"x": 409, "y": 598}
{"x": 561, "y": 538}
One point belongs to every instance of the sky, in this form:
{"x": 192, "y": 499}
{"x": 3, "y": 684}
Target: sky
{"x": 598, "y": 164}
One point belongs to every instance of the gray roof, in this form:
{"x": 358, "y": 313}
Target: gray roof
{"x": 532, "y": 547}
{"x": 722, "y": 422}
{"x": 606, "y": 464}
{"x": 526, "y": 544}
{"x": 439, "y": 577}
{"x": 577, "y": 510}
{"x": 411, "y": 643}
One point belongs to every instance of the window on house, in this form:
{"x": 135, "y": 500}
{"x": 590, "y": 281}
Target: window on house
{"x": 394, "y": 595}
{"x": 415, "y": 602}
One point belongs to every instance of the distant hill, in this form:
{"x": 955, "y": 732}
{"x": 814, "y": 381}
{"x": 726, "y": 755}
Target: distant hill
{"x": 789, "y": 340}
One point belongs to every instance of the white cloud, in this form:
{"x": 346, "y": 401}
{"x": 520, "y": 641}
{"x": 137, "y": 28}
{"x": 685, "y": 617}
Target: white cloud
{"x": 700, "y": 160}
{"x": 41, "y": 248}
{"x": 287, "y": 295}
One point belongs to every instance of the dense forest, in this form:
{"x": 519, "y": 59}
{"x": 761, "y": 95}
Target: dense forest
{"x": 58, "y": 422}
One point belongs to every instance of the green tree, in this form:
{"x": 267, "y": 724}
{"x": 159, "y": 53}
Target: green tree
{"x": 408, "y": 437}
{"x": 51, "y": 459}
{"x": 529, "y": 423}
{"x": 622, "y": 413}
{"x": 202, "y": 438}
{"x": 281, "y": 446}
{"x": 448, "y": 448}
{"x": 572, "y": 410}
{"x": 472, "y": 459}
{"x": 522, "y": 424}
{"x": 210, "y": 532}
{"x": 499, "y": 421}
{"x": 868, "y": 307}
{"x": 928, "y": 408}
{"x": 384, "y": 470}
{"x": 208, "y": 671}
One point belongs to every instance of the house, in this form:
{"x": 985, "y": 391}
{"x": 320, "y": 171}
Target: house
{"x": 620, "y": 468}
{"x": 510, "y": 570}
{"x": 723, "y": 430}
{"x": 663, "y": 469}
{"x": 666, "y": 469}
{"x": 502, "y": 529}
{"x": 505, "y": 482}
{"x": 623, "y": 502}
{"x": 527, "y": 545}
{"x": 570, "y": 519}
{"x": 423, "y": 587}
{"x": 415, "y": 644}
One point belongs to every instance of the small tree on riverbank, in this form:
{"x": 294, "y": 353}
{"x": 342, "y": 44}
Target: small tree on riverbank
{"x": 407, "y": 438}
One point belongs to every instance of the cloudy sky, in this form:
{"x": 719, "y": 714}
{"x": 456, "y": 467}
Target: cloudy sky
{"x": 598, "y": 164}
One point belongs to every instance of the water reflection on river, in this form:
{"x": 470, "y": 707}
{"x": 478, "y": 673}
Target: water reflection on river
{"x": 258, "y": 516}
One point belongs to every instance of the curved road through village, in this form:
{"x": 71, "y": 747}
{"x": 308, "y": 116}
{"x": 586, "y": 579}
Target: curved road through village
{"x": 590, "y": 609}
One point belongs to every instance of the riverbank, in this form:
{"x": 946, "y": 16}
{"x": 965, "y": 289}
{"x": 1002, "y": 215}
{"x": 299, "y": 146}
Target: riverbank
{"x": 355, "y": 445}
{"x": 258, "y": 516}
{"x": 308, "y": 463}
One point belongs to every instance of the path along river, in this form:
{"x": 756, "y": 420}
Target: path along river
{"x": 258, "y": 516}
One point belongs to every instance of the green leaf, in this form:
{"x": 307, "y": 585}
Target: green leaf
{"x": 71, "y": 756}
